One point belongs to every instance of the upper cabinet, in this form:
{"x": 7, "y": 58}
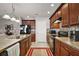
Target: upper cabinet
{"x": 74, "y": 13}
{"x": 59, "y": 13}
{"x": 65, "y": 15}
{"x": 69, "y": 13}
{"x": 52, "y": 24}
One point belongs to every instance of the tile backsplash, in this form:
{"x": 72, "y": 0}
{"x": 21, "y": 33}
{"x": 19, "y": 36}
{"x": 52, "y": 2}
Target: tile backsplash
{"x": 16, "y": 26}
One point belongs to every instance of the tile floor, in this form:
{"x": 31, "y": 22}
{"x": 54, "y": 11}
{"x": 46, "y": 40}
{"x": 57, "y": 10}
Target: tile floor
{"x": 39, "y": 44}
{"x": 39, "y": 52}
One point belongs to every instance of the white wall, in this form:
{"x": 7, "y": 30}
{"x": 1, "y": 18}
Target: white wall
{"x": 42, "y": 23}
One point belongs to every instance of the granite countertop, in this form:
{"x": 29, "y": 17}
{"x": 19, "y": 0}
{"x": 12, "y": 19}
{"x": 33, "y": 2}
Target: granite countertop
{"x": 6, "y": 42}
{"x": 67, "y": 41}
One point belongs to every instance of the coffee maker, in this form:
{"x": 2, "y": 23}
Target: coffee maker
{"x": 8, "y": 29}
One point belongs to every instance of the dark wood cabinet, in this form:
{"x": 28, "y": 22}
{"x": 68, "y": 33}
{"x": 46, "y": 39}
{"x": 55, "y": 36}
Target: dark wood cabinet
{"x": 69, "y": 13}
{"x": 74, "y": 13}
{"x": 65, "y": 15}
{"x": 64, "y": 52}
{"x": 65, "y": 49}
{"x": 51, "y": 21}
{"x": 25, "y": 45}
{"x": 57, "y": 48}
{"x": 52, "y": 24}
{"x": 50, "y": 43}
{"x": 33, "y": 37}
{"x": 22, "y": 48}
{"x": 74, "y": 52}
{"x": 62, "y": 49}
{"x": 29, "y": 22}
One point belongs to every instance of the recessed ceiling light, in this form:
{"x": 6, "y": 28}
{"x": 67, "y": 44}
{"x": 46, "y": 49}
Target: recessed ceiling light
{"x": 13, "y": 19}
{"x": 48, "y": 12}
{"x": 27, "y": 16}
{"x": 52, "y": 5}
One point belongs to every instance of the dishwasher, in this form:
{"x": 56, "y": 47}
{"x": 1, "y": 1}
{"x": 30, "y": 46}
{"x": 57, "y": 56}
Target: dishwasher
{"x": 13, "y": 50}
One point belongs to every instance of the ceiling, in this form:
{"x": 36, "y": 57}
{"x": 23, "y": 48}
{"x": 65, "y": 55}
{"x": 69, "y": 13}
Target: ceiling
{"x": 28, "y": 9}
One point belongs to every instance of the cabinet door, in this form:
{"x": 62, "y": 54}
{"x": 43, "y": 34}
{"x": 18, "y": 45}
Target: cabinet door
{"x": 64, "y": 52}
{"x": 33, "y": 38}
{"x": 74, "y": 13}
{"x": 22, "y": 48}
{"x": 74, "y": 52}
{"x": 57, "y": 47}
{"x": 51, "y": 21}
{"x": 59, "y": 13}
{"x": 65, "y": 15}
{"x": 32, "y": 24}
{"x": 29, "y": 42}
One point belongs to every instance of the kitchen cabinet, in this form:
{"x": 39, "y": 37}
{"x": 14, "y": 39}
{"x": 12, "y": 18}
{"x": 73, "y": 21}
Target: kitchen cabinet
{"x": 33, "y": 37}
{"x": 50, "y": 42}
{"x": 65, "y": 49}
{"x": 65, "y": 15}
{"x": 62, "y": 49}
{"x": 52, "y": 24}
{"x": 57, "y": 48}
{"x": 25, "y": 45}
{"x": 59, "y": 13}
{"x": 29, "y": 22}
{"x": 32, "y": 24}
{"x": 74, "y": 52}
{"x": 64, "y": 52}
{"x": 74, "y": 13}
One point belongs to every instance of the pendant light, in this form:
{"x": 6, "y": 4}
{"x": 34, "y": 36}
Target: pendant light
{"x": 6, "y": 16}
{"x": 13, "y": 18}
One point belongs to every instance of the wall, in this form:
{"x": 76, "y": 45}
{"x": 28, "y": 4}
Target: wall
{"x": 3, "y": 23}
{"x": 42, "y": 24}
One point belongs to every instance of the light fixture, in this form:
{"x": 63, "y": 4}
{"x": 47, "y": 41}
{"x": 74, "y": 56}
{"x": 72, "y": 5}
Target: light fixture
{"x": 13, "y": 19}
{"x": 48, "y": 12}
{"x": 6, "y": 16}
{"x": 27, "y": 16}
{"x": 52, "y": 5}
{"x": 18, "y": 21}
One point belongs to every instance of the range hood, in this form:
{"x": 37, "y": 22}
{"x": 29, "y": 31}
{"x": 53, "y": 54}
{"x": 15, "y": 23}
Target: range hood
{"x": 58, "y": 20}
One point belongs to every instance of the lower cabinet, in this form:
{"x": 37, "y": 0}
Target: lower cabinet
{"x": 64, "y": 52}
{"x": 62, "y": 49}
{"x": 74, "y": 52}
{"x": 33, "y": 38}
{"x": 25, "y": 45}
{"x": 50, "y": 42}
{"x": 57, "y": 48}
